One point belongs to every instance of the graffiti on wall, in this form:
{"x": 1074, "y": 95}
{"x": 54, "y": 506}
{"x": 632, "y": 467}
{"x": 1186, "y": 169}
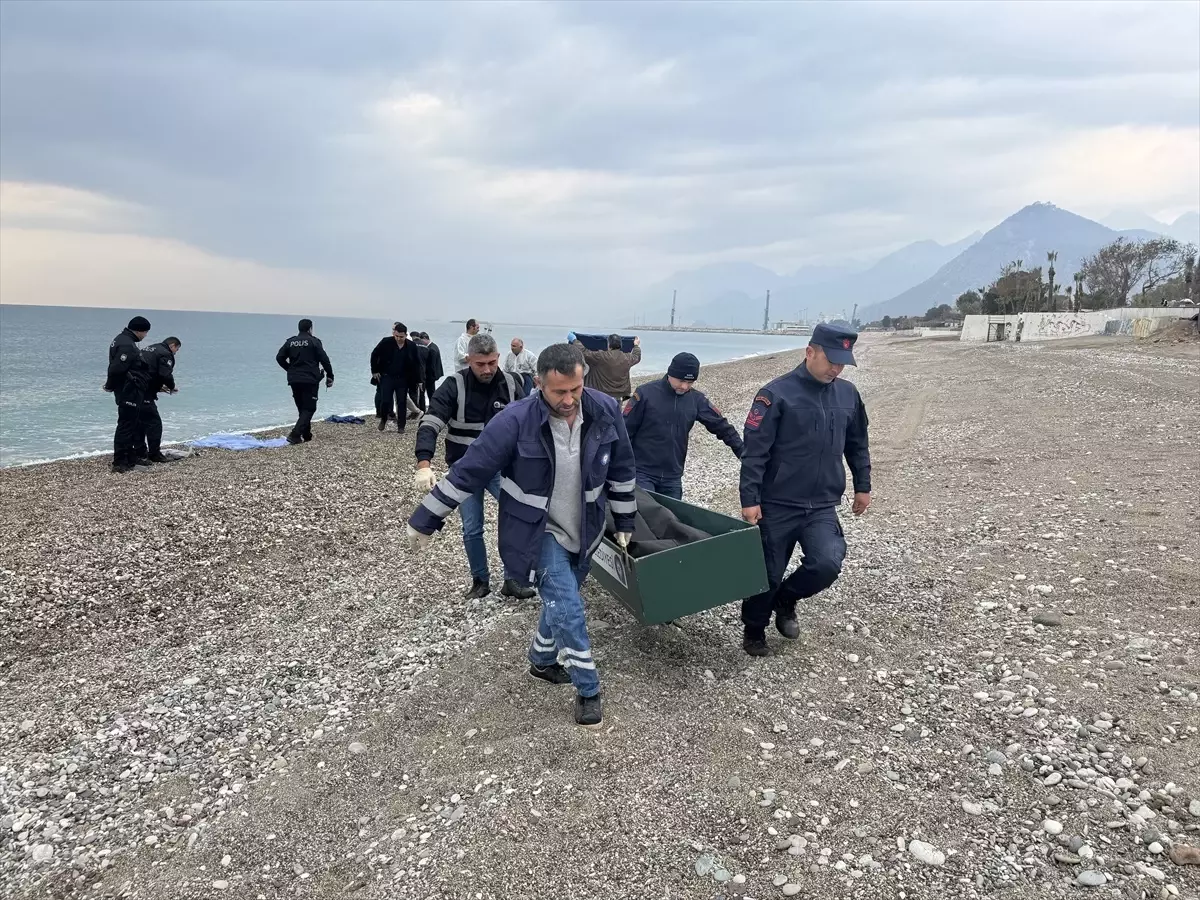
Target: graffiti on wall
{"x": 1059, "y": 326}
{"x": 1118, "y": 326}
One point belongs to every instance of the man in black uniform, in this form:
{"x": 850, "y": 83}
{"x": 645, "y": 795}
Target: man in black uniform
{"x": 128, "y": 378}
{"x": 395, "y": 366}
{"x": 303, "y": 358}
{"x": 799, "y": 428}
{"x": 160, "y": 361}
{"x": 463, "y": 405}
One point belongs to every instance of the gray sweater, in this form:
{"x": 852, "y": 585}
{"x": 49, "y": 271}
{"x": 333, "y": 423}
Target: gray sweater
{"x": 565, "y": 511}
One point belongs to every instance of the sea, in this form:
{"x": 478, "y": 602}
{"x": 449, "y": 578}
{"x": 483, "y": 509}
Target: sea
{"x": 53, "y": 361}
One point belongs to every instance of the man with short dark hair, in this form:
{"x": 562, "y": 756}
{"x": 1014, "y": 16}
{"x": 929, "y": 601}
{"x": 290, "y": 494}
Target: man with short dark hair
{"x": 462, "y": 406}
{"x": 799, "y": 428}
{"x": 128, "y": 378}
{"x": 304, "y": 359}
{"x": 395, "y": 367}
{"x": 562, "y": 455}
{"x": 608, "y": 370}
{"x": 460, "y": 346}
{"x": 659, "y": 417}
{"x": 160, "y": 360}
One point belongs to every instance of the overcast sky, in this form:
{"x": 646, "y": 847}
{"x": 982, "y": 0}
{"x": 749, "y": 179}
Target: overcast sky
{"x": 506, "y": 158}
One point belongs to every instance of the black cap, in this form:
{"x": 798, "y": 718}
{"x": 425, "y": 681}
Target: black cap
{"x": 685, "y": 367}
{"x": 139, "y": 323}
{"x": 838, "y": 343}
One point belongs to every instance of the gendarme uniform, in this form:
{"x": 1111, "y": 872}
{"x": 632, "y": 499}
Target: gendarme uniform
{"x": 797, "y": 433}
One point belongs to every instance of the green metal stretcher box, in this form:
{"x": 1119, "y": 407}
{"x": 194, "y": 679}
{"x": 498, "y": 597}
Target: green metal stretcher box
{"x": 721, "y": 569}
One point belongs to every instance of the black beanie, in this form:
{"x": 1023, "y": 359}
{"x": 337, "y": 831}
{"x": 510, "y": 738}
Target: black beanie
{"x": 685, "y": 367}
{"x": 139, "y": 323}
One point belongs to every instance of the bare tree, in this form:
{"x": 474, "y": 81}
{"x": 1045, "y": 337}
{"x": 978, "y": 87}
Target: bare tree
{"x": 1117, "y": 269}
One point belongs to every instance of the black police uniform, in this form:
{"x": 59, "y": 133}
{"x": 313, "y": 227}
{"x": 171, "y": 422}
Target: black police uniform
{"x": 160, "y": 362}
{"x": 797, "y": 432}
{"x": 399, "y": 370}
{"x": 659, "y": 421}
{"x": 304, "y": 358}
{"x": 128, "y": 379}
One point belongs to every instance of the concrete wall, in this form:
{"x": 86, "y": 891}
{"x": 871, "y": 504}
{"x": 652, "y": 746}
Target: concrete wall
{"x": 1056, "y": 326}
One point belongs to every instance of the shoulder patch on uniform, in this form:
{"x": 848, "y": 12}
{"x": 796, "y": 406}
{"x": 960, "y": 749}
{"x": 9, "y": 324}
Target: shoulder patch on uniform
{"x": 763, "y": 399}
{"x": 123, "y": 357}
{"x": 754, "y": 418}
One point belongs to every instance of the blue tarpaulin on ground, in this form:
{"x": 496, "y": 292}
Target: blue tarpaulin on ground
{"x": 238, "y": 442}
{"x": 346, "y": 420}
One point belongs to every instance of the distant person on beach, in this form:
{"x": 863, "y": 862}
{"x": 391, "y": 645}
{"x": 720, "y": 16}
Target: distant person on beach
{"x": 798, "y": 430}
{"x": 659, "y": 417}
{"x": 395, "y": 368}
{"x": 562, "y": 456}
{"x": 418, "y": 392}
{"x": 304, "y": 359}
{"x": 463, "y": 405}
{"x": 160, "y": 360}
{"x": 460, "y": 346}
{"x": 434, "y": 369}
{"x": 608, "y": 370}
{"x": 522, "y": 364}
{"x": 128, "y": 380}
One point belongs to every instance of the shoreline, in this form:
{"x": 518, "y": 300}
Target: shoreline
{"x": 84, "y": 456}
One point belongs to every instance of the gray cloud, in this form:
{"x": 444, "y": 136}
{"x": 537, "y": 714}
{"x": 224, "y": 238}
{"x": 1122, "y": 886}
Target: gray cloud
{"x": 526, "y": 152}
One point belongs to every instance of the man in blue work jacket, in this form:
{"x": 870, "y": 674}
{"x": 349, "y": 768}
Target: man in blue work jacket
{"x": 799, "y": 428}
{"x": 659, "y": 417}
{"x": 563, "y": 455}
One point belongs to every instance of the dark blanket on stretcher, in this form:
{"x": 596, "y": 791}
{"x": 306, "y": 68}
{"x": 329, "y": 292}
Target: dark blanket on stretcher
{"x": 655, "y": 528}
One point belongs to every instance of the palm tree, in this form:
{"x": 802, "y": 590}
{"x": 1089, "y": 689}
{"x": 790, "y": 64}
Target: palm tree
{"x": 1051, "y": 257}
{"x": 1078, "y": 290}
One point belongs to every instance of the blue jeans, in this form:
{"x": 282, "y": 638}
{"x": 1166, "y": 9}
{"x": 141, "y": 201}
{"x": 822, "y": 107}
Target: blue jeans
{"x": 527, "y": 383}
{"x": 667, "y": 485}
{"x": 562, "y": 628}
{"x": 471, "y": 511}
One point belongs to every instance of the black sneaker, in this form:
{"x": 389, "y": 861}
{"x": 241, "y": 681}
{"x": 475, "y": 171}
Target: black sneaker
{"x": 142, "y": 461}
{"x": 588, "y": 712}
{"x": 479, "y": 590}
{"x": 788, "y": 624}
{"x": 755, "y": 644}
{"x": 158, "y": 458}
{"x": 553, "y": 673}
{"x": 307, "y": 437}
{"x": 292, "y": 439}
{"x": 382, "y": 424}
{"x": 513, "y": 588}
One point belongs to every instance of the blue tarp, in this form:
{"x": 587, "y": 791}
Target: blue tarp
{"x": 238, "y": 442}
{"x": 346, "y": 420}
{"x": 600, "y": 341}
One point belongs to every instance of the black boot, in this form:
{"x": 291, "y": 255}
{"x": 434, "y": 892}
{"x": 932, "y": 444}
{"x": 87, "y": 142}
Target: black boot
{"x": 382, "y": 423}
{"x": 120, "y": 468}
{"x": 755, "y": 643}
{"x": 588, "y": 712}
{"x": 513, "y": 588}
{"x": 142, "y": 461}
{"x": 553, "y": 673}
{"x": 787, "y": 623}
{"x": 479, "y": 589}
{"x": 157, "y": 458}
{"x": 292, "y": 439}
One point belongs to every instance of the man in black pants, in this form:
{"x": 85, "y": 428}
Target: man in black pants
{"x": 304, "y": 358}
{"x": 160, "y": 361}
{"x": 395, "y": 367}
{"x": 128, "y": 379}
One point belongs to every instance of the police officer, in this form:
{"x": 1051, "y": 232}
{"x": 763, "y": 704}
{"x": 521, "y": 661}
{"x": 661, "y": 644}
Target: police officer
{"x": 160, "y": 361}
{"x": 799, "y": 428}
{"x": 303, "y": 358}
{"x": 465, "y": 402}
{"x": 128, "y": 378}
{"x": 659, "y": 417}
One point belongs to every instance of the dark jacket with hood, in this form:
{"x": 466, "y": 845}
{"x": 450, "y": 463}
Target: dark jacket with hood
{"x": 127, "y": 370}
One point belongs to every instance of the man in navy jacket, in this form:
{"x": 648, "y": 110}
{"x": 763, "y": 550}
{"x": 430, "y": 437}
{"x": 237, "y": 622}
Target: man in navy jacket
{"x": 563, "y": 455}
{"x": 797, "y": 432}
{"x": 659, "y": 417}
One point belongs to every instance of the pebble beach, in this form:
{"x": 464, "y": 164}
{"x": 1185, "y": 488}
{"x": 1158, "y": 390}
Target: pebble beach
{"x": 228, "y": 676}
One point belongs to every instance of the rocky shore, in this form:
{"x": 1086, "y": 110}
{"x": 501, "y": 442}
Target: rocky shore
{"x": 228, "y": 677}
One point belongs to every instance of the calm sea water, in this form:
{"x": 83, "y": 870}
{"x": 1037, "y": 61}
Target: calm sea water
{"x": 53, "y": 362}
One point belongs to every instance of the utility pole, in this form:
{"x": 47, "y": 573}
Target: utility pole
{"x": 767, "y": 313}
{"x": 673, "y": 293}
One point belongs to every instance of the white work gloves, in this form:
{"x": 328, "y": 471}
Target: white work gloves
{"x": 418, "y": 541}
{"x": 425, "y": 479}
{"x": 623, "y": 540}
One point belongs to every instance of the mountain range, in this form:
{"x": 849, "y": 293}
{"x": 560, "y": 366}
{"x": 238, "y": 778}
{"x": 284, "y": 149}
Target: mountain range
{"x": 906, "y": 282}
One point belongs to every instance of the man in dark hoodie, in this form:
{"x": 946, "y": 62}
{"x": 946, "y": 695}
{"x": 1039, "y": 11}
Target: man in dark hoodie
{"x": 395, "y": 367}
{"x": 128, "y": 379}
{"x": 306, "y": 363}
{"x": 160, "y": 361}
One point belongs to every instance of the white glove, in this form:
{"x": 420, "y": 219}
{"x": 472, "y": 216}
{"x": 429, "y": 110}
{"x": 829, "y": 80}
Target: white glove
{"x": 418, "y": 541}
{"x": 425, "y": 479}
{"x": 623, "y": 540}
